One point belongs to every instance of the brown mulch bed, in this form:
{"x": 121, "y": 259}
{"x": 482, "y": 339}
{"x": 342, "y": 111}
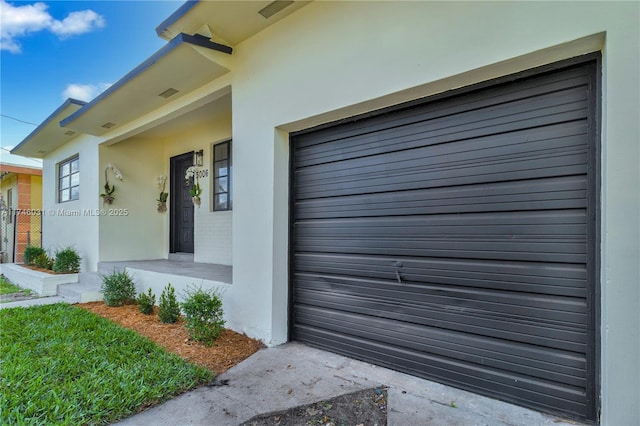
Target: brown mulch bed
{"x": 35, "y": 268}
{"x": 228, "y": 350}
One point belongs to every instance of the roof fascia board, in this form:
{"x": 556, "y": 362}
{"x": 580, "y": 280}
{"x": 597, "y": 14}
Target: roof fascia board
{"x": 164, "y": 51}
{"x": 7, "y": 168}
{"x": 175, "y": 16}
{"x": 47, "y": 120}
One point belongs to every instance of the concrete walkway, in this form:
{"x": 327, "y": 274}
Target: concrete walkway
{"x": 294, "y": 374}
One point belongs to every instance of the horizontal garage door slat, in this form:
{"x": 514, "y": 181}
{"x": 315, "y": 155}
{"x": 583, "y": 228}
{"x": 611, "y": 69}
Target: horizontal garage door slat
{"x": 519, "y": 358}
{"x": 441, "y": 108}
{"x": 558, "y": 193}
{"x": 452, "y": 239}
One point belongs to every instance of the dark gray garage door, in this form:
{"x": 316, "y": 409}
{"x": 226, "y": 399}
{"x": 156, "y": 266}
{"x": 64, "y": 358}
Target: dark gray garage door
{"x": 454, "y": 239}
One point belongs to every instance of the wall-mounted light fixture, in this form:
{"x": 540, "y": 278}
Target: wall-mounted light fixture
{"x": 197, "y": 158}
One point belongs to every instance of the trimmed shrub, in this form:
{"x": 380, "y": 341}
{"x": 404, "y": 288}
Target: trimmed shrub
{"x": 203, "y": 315}
{"x": 43, "y": 261}
{"x": 168, "y": 308}
{"x": 118, "y": 289}
{"x": 146, "y": 301}
{"x": 31, "y": 254}
{"x": 67, "y": 261}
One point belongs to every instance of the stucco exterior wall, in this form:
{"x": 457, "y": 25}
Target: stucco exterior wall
{"x": 322, "y": 64}
{"x": 69, "y": 223}
{"x": 131, "y": 228}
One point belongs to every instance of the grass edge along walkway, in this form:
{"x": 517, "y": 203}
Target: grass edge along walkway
{"x": 63, "y": 365}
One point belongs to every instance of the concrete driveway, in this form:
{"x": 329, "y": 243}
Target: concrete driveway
{"x": 294, "y": 374}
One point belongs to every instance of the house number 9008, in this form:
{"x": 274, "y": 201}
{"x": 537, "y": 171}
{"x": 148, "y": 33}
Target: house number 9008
{"x": 203, "y": 173}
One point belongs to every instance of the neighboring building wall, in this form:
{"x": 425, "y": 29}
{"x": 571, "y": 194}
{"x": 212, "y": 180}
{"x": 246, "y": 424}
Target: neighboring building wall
{"x": 72, "y": 223}
{"x": 36, "y": 205}
{"x": 9, "y": 187}
{"x": 24, "y": 186}
{"x": 297, "y": 74}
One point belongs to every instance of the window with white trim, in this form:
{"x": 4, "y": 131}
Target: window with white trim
{"x": 222, "y": 176}
{"x": 69, "y": 180}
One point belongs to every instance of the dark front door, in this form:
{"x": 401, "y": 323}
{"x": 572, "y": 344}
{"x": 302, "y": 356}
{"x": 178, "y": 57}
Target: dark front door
{"x": 454, "y": 239}
{"x": 181, "y": 227}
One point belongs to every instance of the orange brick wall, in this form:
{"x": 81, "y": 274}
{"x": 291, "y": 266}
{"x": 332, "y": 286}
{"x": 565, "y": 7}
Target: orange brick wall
{"x": 24, "y": 203}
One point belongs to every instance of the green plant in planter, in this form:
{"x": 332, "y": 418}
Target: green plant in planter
{"x": 43, "y": 261}
{"x": 67, "y": 261}
{"x": 168, "y": 308}
{"x": 146, "y": 301}
{"x": 203, "y": 315}
{"x": 31, "y": 253}
{"x": 118, "y": 289}
{"x": 195, "y": 191}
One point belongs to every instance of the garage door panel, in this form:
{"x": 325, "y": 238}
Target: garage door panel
{"x": 516, "y": 328}
{"x": 522, "y": 390}
{"x": 546, "y": 224}
{"x": 445, "y": 130}
{"x": 486, "y": 98}
{"x": 452, "y": 297}
{"x": 564, "y": 280}
{"x": 416, "y": 178}
{"x": 559, "y": 193}
{"x": 521, "y": 250}
{"x": 507, "y": 356}
{"x": 454, "y": 238}
{"x": 520, "y": 145}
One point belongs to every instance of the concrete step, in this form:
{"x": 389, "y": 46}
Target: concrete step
{"x": 107, "y": 268}
{"x": 88, "y": 289}
{"x": 181, "y": 257}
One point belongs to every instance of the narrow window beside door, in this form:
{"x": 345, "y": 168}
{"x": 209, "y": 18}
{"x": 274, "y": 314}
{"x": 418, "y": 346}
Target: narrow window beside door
{"x": 222, "y": 176}
{"x": 69, "y": 180}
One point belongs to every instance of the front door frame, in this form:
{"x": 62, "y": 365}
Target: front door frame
{"x": 174, "y": 199}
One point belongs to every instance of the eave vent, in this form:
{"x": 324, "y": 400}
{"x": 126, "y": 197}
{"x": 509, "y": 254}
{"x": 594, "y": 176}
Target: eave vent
{"x": 69, "y": 133}
{"x": 108, "y": 125}
{"x": 169, "y": 92}
{"x": 274, "y": 7}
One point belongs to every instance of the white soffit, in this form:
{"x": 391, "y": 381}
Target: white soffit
{"x": 231, "y": 21}
{"x": 49, "y": 136}
{"x": 172, "y": 72}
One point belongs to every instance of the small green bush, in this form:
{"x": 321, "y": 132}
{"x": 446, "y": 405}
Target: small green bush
{"x": 31, "y": 254}
{"x": 168, "y": 308}
{"x": 118, "y": 289}
{"x": 146, "y": 301}
{"x": 43, "y": 261}
{"x": 67, "y": 261}
{"x": 203, "y": 315}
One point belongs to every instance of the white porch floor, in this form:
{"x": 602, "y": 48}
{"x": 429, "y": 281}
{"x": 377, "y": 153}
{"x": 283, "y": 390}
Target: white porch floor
{"x": 201, "y": 271}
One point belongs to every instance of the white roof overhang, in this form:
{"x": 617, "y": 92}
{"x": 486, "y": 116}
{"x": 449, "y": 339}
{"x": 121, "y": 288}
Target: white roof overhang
{"x": 228, "y": 21}
{"x": 48, "y": 136}
{"x": 175, "y": 70}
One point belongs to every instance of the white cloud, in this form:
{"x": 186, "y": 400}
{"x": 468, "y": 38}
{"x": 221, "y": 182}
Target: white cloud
{"x": 19, "y": 21}
{"x": 84, "y": 92}
{"x": 77, "y": 23}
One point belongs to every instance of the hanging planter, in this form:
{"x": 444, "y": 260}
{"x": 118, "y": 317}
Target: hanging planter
{"x": 195, "y": 191}
{"x": 107, "y": 195}
{"x": 162, "y": 198}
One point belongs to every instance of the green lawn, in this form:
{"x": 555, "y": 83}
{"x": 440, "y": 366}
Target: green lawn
{"x": 6, "y": 287}
{"x": 66, "y": 366}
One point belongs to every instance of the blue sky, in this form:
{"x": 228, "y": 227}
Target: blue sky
{"x": 51, "y": 50}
